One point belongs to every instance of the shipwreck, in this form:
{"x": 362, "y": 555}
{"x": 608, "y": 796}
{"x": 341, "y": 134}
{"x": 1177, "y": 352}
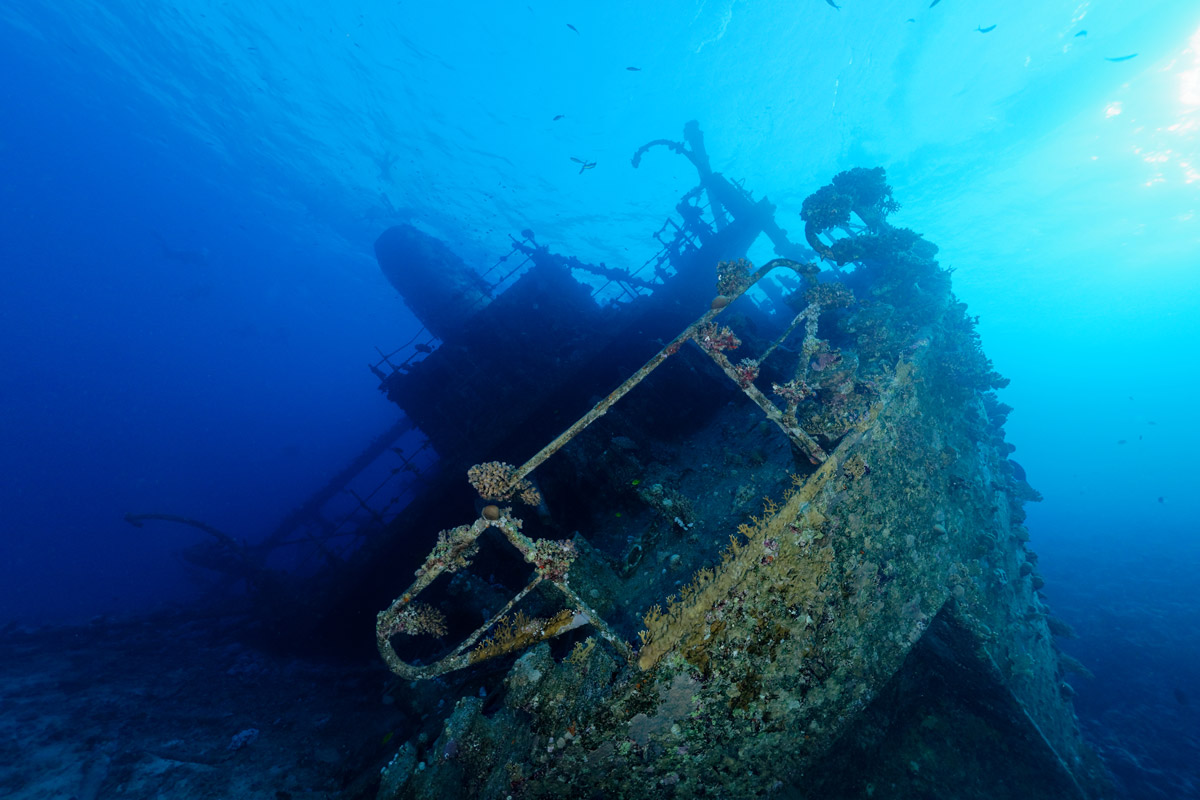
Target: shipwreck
{"x": 698, "y": 529}
{"x": 792, "y": 565}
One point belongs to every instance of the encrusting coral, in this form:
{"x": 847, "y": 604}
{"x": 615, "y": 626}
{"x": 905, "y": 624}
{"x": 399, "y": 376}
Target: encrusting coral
{"x": 862, "y": 191}
{"x": 495, "y": 480}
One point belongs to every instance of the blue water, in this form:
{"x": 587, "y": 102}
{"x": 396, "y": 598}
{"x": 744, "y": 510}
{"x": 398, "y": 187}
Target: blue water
{"x": 190, "y": 192}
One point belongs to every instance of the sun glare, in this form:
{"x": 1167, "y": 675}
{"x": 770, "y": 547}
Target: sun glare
{"x": 1161, "y": 108}
{"x": 1189, "y": 79}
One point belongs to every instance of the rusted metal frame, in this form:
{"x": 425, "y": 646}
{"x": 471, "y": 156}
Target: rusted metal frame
{"x": 350, "y": 515}
{"x": 500, "y": 261}
{"x": 514, "y": 270}
{"x": 317, "y": 545}
{"x": 613, "y": 274}
{"x": 798, "y": 437}
{"x": 601, "y": 408}
{"x": 454, "y": 553}
{"x": 400, "y": 495}
{"x": 336, "y": 527}
{"x": 784, "y": 420}
{"x": 656, "y": 281}
{"x": 600, "y": 289}
{"x": 328, "y": 537}
{"x": 470, "y": 641}
{"x": 658, "y": 233}
{"x": 136, "y": 521}
{"x": 803, "y": 316}
{"x": 386, "y": 357}
{"x": 454, "y": 548}
{"x": 363, "y": 505}
{"x": 406, "y": 460}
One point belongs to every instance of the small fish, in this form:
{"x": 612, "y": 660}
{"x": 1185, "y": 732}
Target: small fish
{"x": 556, "y": 119}
{"x": 835, "y": 5}
{"x": 1122, "y": 58}
{"x": 572, "y": 27}
{"x": 1081, "y": 33}
{"x": 634, "y": 69}
{"x": 1181, "y": 697}
{"x": 1151, "y": 422}
{"x": 1161, "y": 500}
{"x": 1120, "y": 441}
{"x": 910, "y": 19}
{"x": 934, "y": 3}
{"x": 583, "y": 164}
{"x": 988, "y": 29}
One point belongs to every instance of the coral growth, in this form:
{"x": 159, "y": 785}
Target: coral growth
{"x": 870, "y": 196}
{"x": 453, "y": 551}
{"x": 414, "y": 619}
{"x": 495, "y": 480}
{"x": 746, "y": 371}
{"x": 552, "y": 559}
{"x": 862, "y": 191}
{"x": 716, "y": 338}
{"x": 829, "y": 295}
{"x": 733, "y": 277}
{"x": 521, "y": 631}
{"x": 793, "y": 392}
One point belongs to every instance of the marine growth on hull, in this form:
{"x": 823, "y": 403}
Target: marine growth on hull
{"x": 781, "y": 554}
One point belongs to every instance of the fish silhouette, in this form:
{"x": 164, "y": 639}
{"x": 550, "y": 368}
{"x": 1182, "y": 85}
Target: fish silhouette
{"x": 572, "y": 27}
{"x": 988, "y": 29}
{"x": 1122, "y": 58}
{"x": 583, "y": 164}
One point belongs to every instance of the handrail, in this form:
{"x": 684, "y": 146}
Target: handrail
{"x": 496, "y": 481}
